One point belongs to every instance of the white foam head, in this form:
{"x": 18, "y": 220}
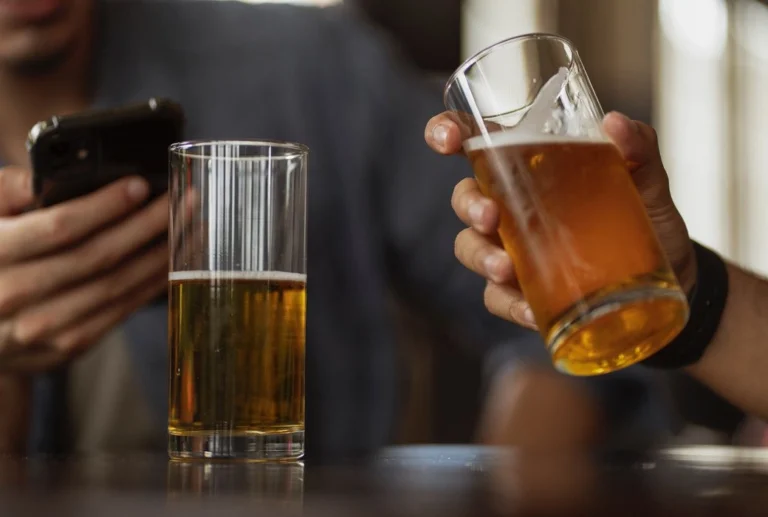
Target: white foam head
{"x": 273, "y": 276}
{"x": 513, "y": 137}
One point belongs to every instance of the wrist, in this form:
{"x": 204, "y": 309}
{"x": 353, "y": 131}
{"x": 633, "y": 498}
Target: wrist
{"x": 707, "y": 302}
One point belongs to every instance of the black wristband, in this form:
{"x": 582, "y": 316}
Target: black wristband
{"x": 707, "y": 302}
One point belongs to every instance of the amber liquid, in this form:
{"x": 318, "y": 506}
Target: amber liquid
{"x": 236, "y": 343}
{"x": 585, "y": 253}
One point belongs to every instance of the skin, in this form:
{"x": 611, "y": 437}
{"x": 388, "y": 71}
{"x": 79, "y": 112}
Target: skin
{"x": 72, "y": 272}
{"x": 735, "y": 362}
{"x": 526, "y": 406}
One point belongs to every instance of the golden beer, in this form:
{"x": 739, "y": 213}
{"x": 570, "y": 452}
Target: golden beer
{"x": 586, "y": 256}
{"x": 237, "y": 345}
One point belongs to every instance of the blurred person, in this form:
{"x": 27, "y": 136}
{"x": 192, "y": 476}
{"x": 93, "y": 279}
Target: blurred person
{"x": 723, "y": 344}
{"x": 80, "y": 274}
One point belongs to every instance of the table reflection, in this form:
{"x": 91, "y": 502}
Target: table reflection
{"x": 403, "y": 481}
{"x": 275, "y": 482}
{"x": 545, "y": 484}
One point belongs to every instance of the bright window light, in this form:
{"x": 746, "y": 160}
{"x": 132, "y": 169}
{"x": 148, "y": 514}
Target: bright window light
{"x": 691, "y": 115}
{"x": 698, "y": 27}
{"x": 752, "y": 35}
{"x": 298, "y": 2}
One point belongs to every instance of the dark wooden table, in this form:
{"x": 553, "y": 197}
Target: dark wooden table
{"x": 409, "y": 481}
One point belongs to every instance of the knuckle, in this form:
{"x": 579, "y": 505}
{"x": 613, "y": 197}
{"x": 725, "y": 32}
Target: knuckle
{"x": 58, "y": 226}
{"x": 459, "y": 192}
{"x": 503, "y": 304}
{"x": 515, "y": 310}
{"x": 479, "y": 254}
{"x": 489, "y": 298}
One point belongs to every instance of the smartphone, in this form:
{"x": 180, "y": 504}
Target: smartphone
{"x": 77, "y": 154}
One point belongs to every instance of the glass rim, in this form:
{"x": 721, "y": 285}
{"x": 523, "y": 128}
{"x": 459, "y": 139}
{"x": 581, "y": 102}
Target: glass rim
{"x": 182, "y": 148}
{"x": 477, "y": 56}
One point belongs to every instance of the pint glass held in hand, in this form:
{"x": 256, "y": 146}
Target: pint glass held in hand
{"x": 237, "y": 300}
{"x": 588, "y": 261}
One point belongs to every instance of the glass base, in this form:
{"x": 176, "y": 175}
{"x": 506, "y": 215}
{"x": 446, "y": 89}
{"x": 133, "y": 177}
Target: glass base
{"x": 614, "y": 330}
{"x": 220, "y": 445}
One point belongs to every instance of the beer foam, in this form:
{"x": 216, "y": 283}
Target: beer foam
{"x": 275, "y": 276}
{"x": 505, "y": 138}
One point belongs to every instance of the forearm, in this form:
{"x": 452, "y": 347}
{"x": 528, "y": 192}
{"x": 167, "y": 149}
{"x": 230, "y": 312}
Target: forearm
{"x": 735, "y": 364}
{"x": 15, "y": 404}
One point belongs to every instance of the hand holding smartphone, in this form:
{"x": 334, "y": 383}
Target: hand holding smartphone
{"x": 77, "y": 154}
{"x": 97, "y": 250}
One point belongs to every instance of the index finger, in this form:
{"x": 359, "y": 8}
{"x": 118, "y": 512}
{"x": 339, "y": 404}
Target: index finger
{"x": 445, "y": 133}
{"x": 48, "y": 229}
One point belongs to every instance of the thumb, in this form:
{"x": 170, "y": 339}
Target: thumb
{"x": 15, "y": 190}
{"x": 639, "y": 145}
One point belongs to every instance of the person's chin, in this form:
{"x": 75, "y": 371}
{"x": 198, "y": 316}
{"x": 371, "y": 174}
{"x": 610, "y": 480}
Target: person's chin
{"x": 36, "y": 58}
{"x": 36, "y": 51}
{"x": 20, "y": 13}
{"x": 39, "y": 64}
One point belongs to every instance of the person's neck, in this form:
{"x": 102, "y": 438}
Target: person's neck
{"x": 26, "y": 100}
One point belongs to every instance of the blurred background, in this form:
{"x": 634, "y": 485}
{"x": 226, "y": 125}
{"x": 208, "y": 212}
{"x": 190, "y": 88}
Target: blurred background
{"x": 695, "y": 69}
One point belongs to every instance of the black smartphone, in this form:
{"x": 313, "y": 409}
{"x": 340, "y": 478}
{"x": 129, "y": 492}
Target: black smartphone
{"x": 74, "y": 155}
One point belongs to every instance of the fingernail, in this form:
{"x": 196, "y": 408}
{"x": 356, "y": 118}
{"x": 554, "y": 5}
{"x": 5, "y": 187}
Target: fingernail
{"x": 476, "y": 212}
{"x": 528, "y": 316}
{"x": 440, "y": 135}
{"x": 137, "y": 189}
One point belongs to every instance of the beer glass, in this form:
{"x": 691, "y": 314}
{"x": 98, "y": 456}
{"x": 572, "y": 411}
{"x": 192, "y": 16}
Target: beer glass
{"x": 586, "y": 256}
{"x": 237, "y": 300}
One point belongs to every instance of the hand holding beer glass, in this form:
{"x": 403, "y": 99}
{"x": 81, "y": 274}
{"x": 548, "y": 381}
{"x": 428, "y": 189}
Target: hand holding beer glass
{"x": 586, "y": 257}
{"x": 237, "y": 300}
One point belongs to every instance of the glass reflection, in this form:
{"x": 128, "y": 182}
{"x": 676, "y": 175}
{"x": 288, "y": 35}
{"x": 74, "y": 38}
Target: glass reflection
{"x": 276, "y": 483}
